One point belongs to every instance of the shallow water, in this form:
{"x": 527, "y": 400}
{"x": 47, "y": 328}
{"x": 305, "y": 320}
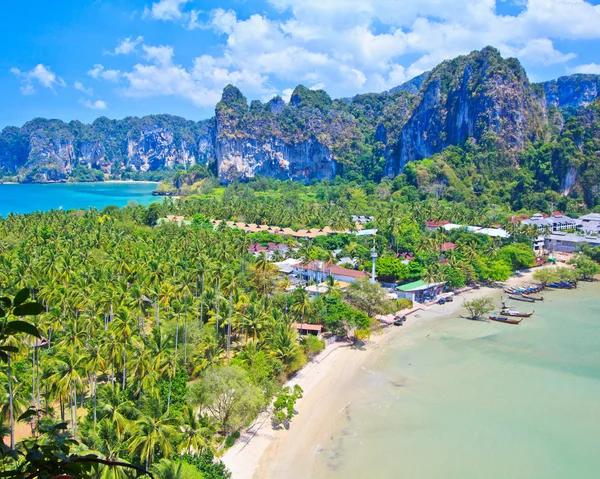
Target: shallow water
{"x": 27, "y": 198}
{"x": 466, "y": 399}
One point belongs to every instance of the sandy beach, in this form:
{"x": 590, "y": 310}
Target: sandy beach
{"x": 264, "y": 453}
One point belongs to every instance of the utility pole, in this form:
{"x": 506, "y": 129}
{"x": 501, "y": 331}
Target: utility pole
{"x": 374, "y": 258}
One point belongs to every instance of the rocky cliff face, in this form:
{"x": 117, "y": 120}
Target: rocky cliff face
{"x": 297, "y": 141}
{"x": 50, "y": 150}
{"x": 480, "y": 97}
{"x": 572, "y": 91}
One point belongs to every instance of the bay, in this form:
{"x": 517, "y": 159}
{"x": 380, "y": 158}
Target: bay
{"x": 465, "y": 399}
{"x": 27, "y": 198}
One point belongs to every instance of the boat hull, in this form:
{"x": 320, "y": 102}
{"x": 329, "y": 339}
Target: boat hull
{"x": 503, "y": 319}
{"x": 521, "y": 298}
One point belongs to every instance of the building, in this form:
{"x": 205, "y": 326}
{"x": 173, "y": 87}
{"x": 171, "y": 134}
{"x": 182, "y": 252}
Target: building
{"x": 362, "y": 219}
{"x": 256, "y": 248}
{"x": 305, "y": 329}
{"x": 556, "y": 222}
{"x": 590, "y": 224}
{"x": 287, "y": 266}
{"x": 569, "y": 242}
{"x": 300, "y": 234}
{"x": 322, "y": 288}
{"x": 434, "y": 225}
{"x": 319, "y": 270}
{"x": 492, "y": 232}
{"x": 179, "y": 220}
{"x": 420, "y": 291}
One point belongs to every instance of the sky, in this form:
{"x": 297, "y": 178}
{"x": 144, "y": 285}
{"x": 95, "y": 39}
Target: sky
{"x": 81, "y": 59}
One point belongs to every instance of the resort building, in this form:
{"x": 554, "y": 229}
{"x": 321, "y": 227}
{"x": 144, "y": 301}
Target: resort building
{"x": 420, "y": 291}
{"x": 590, "y": 224}
{"x": 303, "y": 233}
{"x": 318, "y": 271}
{"x": 569, "y": 242}
{"x": 556, "y": 222}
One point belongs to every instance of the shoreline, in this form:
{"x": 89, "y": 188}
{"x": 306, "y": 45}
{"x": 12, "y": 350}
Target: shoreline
{"x": 147, "y": 182}
{"x": 264, "y": 453}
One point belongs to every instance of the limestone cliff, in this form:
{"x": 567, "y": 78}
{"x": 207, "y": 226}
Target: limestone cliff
{"x": 480, "y": 96}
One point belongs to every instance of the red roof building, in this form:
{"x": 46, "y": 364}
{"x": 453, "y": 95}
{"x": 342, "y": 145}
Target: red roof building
{"x": 319, "y": 270}
{"x": 448, "y": 246}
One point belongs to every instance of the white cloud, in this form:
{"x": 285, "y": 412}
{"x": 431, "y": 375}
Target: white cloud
{"x": 40, "y": 75}
{"x": 100, "y": 73}
{"x": 161, "y": 54}
{"x": 79, "y": 86}
{"x": 166, "y": 10}
{"x": 351, "y": 46}
{"x": 127, "y": 46}
{"x": 541, "y": 51}
{"x": 94, "y": 105}
{"x": 586, "y": 68}
{"x": 286, "y": 94}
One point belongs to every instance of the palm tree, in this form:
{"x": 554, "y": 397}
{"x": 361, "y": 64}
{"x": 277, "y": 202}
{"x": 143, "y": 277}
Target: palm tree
{"x": 195, "y": 436}
{"x": 150, "y": 434}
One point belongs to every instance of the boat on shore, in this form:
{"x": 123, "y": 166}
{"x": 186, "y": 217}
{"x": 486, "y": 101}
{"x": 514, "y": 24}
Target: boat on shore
{"x": 515, "y": 314}
{"x": 563, "y": 285}
{"x": 525, "y": 290}
{"x": 521, "y": 298}
{"x": 504, "y": 319}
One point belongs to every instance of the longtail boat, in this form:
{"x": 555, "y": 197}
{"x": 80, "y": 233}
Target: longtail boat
{"x": 503, "y": 319}
{"x": 516, "y": 314}
{"x": 521, "y": 298}
{"x": 535, "y": 298}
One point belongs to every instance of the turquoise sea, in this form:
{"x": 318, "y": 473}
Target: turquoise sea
{"x": 478, "y": 400}
{"x": 27, "y": 198}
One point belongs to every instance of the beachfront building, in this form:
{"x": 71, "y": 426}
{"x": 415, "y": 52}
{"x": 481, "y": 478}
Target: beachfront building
{"x": 569, "y": 242}
{"x": 319, "y": 271}
{"x": 420, "y": 291}
{"x": 306, "y": 329}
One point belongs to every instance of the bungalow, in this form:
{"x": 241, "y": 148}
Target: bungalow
{"x": 306, "y": 329}
{"x": 319, "y": 270}
{"x": 256, "y": 248}
{"x": 419, "y": 291}
{"x": 434, "y": 225}
{"x": 179, "y": 220}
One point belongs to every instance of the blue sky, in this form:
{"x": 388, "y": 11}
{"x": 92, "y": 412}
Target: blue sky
{"x": 87, "y": 58}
